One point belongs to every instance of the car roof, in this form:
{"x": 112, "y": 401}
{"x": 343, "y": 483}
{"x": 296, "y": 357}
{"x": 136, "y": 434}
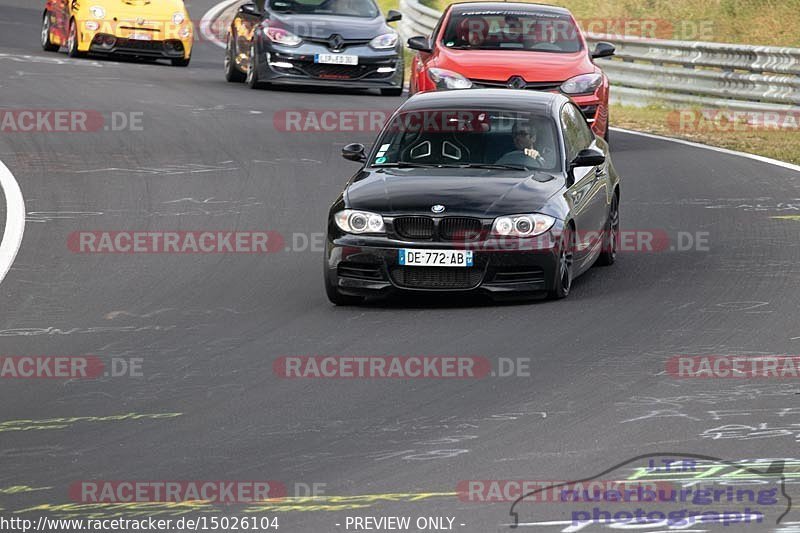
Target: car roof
{"x": 505, "y": 6}
{"x": 507, "y": 99}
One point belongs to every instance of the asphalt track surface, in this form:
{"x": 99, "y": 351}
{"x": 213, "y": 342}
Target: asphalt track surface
{"x": 208, "y": 327}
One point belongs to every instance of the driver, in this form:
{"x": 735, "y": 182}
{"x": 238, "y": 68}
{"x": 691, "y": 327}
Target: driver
{"x": 526, "y": 152}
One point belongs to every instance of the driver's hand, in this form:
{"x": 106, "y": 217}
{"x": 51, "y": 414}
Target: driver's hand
{"x": 532, "y": 153}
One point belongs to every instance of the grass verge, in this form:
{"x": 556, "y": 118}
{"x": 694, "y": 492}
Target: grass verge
{"x": 783, "y": 145}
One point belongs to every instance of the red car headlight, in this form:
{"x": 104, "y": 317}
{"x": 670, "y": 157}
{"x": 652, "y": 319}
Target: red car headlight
{"x": 583, "y": 84}
{"x": 447, "y": 79}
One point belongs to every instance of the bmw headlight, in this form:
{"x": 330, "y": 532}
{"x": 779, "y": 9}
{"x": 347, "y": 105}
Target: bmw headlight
{"x": 585, "y": 83}
{"x": 522, "y": 225}
{"x": 281, "y": 36}
{"x": 352, "y": 221}
{"x": 447, "y": 79}
{"x": 178, "y": 19}
{"x": 384, "y": 42}
{"x": 98, "y": 12}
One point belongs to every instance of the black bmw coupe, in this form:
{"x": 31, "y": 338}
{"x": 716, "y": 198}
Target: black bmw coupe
{"x": 344, "y": 43}
{"x": 498, "y": 191}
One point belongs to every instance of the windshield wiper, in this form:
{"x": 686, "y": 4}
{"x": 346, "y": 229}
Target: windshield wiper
{"x": 406, "y": 164}
{"x": 494, "y": 166}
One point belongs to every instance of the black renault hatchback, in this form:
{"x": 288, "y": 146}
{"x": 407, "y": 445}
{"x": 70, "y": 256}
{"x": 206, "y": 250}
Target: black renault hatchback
{"x": 344, "y": 43}
{"x": 498, "y": 191}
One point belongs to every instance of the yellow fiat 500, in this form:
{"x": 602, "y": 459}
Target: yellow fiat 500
{"x": 154, "y": 29}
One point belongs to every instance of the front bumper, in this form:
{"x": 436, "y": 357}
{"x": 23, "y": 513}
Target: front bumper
{"x": 365, "y": 266}
{"x": 296, "y": 66}
{"x": 110, "y": 45}
{"x": 116, "y": 38}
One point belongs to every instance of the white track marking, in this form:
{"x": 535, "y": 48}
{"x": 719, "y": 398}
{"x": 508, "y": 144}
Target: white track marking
{"x": 15, "y": 220}
{"x": 208, "y": 19}
{"x": 762, "y": 159}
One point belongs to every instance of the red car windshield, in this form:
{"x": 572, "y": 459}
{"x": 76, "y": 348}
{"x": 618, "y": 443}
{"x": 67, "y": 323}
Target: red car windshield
{"x": 512, "y": 30}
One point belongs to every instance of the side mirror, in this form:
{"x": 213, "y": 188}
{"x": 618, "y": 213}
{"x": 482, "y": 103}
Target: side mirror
{"x": 393, "y": 16}
{"x": 588, "y": 157}
{"x": 420, "y": 43}
{"x": 249, "y": 9}
{"x": 603, "y": 49}
{"x": 354, "y": 152}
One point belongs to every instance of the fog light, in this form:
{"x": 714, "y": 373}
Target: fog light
{"x": 109, "y": 40}
{"x": 281, "y": 64}
{"x": 98, "y": 39}
{"x": 383, "y": 70}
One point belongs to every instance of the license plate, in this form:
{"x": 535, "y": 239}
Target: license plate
{"x": 336, "y": 59}
{"x": 442, "y": 258}
{"x": 140, "y": 37}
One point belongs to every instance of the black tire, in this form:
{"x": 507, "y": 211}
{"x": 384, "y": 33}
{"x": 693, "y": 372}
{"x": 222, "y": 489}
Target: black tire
{"x": 72, "y": 41}
{"x": 392, "y": 92}
{"x": 182, "y": 62}
{"x": 232, "y": 72}
{"x": 252, "y": 72}
{"x": 337, "y": 298}
{"x": 47, "y": 45}
{"x": 608, "y": 255}
{"x": 562, "y": 283}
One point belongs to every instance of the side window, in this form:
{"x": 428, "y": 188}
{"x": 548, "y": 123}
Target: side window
{"x": 572, "y": 134}
{"x": 577, "y": 134}
{"x": 435, "y": 32}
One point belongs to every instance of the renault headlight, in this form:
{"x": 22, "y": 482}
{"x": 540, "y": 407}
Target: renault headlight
{"x": 98, "y": 12}
{"x": 384, "y": 42}
{"x": 585, "y": 83}
{"x": 281, "y": 36}
{"x": 447, "y": 79}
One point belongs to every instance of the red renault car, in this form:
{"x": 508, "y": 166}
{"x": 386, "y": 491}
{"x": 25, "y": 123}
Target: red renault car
{"x": 517, "y": 46}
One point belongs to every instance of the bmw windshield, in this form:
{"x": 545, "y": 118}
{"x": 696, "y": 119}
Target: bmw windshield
{"x": 501, "y": 140}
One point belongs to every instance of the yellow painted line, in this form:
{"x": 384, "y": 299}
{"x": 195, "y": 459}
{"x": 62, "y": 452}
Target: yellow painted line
{"x": 288, "y": 504}
{"x": 61, "y": 423}
{"x": 19, "y": 489}
{"x": 787, "y": 217}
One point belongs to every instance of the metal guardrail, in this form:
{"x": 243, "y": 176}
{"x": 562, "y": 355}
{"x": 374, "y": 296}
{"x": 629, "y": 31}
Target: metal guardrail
{"x": 679, "y": 73}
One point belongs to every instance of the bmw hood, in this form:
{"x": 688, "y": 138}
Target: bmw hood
{"x": 473, "y": 192}
{"x": 323, "y": 26}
